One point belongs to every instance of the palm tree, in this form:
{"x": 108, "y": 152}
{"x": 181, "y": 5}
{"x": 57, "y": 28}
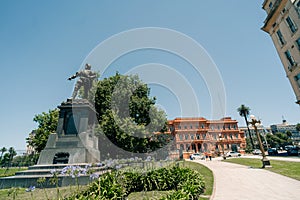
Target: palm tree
{"x": 244, "y": 111}
{"x": 3, "y": 150}
{"x": 12, "y": 152}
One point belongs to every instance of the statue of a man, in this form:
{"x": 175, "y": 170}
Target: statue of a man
{"x": 85, "y": 80}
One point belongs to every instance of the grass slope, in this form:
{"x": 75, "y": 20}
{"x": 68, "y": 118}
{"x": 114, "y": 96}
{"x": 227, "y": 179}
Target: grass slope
{"x": 286, "y": 168}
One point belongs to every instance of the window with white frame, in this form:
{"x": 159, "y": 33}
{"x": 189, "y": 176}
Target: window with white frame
{"x": 297, "y": 5}
{"x": 192, "y": 136}
{"x": 187, "y": 147}
{"x": 180, "y": 137}
{"x": 280, "y": 37}
{"x": 270, "y": 5}
{"x": 298, "y": 43}
{"x": 186, "y": 136}
{"x": 291, "y": 24}
{"x": 290, "y": 58}
{"x": 297, "y": 79}
{"x": 215, "y": 136}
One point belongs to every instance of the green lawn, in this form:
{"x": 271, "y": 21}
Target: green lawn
{"x": 39, "y": 194}
{"x": 286, "y": 168}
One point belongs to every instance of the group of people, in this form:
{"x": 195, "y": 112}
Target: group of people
{"x": 207, "y": 156}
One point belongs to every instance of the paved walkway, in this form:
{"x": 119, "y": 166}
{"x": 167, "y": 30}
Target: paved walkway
{"x": 237, "y": 182}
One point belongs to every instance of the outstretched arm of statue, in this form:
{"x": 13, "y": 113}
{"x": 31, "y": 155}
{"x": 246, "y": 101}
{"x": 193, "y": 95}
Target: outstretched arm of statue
{"x": 74, "y": 76}
{"x": 93, "y": 76}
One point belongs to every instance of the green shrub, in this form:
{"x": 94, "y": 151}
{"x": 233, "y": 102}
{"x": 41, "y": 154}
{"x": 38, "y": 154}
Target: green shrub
{"x": 186, "y": 183}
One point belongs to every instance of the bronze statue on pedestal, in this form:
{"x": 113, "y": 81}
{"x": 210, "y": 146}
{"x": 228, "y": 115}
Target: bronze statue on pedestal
{"x": 86, "y": 78}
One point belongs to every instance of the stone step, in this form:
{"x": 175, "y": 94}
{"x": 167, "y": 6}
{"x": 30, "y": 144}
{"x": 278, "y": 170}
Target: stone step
{"x": 55, "y": 166}
{"x": 33, "y": 172}
{"x": 47, "y": 171}
{"x": 29, "y": 178}
{"x": 27, "y": 181}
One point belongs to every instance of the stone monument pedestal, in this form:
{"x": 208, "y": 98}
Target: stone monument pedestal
{"x": 74, "y": 140}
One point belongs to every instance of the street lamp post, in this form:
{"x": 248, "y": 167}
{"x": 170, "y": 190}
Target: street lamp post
{"x": 265, "y": 161}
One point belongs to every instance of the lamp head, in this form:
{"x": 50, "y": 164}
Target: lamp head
{"x": 252, "y": 117}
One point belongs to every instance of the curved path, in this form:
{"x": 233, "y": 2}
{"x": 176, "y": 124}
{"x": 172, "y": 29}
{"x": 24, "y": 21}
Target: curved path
{"x": 236, "y": 182}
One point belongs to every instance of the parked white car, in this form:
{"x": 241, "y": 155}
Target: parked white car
{"x": 197, "y": 156}
{"x": 256, "y": 152}
{"x": 232, "y": 154}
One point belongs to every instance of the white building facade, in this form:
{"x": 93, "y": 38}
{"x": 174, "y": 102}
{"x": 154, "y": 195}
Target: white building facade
{"x": 285, "y": 127}
{"x": 282, "y": 24}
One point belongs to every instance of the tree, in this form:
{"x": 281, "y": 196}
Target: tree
{"x": 289, "y": 134}
{"x": 25, "y": 160}
{"x": 128, "y": 116}
{"x": 12, "y": 152}
{"x": 244, "y": 111}
{"x": 298, "y": 127}
{"x": 5, "y": 160}
{"x": 278, "y": 139}
{"x": 3, "y": 150}
{"x": 47, "y": 123}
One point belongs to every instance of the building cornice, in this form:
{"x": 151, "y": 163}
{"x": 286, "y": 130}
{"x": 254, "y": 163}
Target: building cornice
{"x": 273, "y": 15}
{"x": 264, "y": 3}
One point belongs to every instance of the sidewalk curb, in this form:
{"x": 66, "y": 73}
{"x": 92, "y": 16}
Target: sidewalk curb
{"x": 214, "y": 187}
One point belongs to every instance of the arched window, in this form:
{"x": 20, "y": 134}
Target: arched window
{"x": 186, "y": 136}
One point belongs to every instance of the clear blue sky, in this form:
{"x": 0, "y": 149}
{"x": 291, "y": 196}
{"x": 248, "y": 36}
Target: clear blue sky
{"x": 43, "y": 43}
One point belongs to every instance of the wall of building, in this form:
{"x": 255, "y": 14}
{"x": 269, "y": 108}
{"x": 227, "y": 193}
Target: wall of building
{"x": 283, "y": 24}
{"x": 202, "y": 135}
{"x": 284, "y": 127}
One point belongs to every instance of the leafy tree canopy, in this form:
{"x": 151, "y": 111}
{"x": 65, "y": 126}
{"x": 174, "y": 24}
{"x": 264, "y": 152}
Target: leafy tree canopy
{"x": 278, "y": 139}
{"x": 47, "y": 123}
{"x": 298, "y": 127}
{"x": 7, "y": 158}
{"x": 128, "y": 116}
